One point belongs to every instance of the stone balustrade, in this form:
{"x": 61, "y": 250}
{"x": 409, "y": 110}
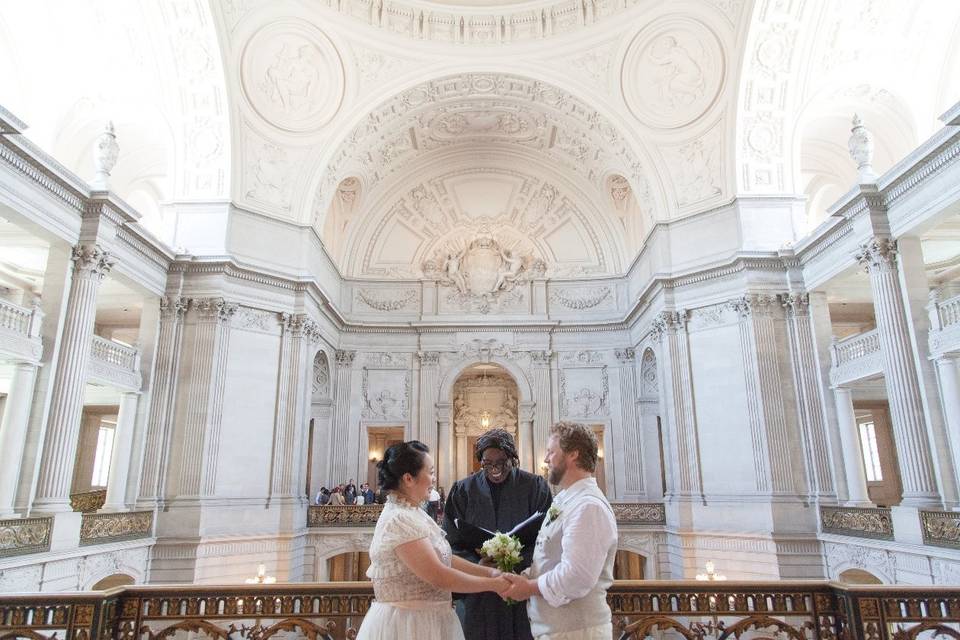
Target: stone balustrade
{"x": 944, "y": 324}
{"x": 114, "y": 364}
{"x": 20, "y": 330}
{"x": 88, "y": 501}
{"x": 941, "y": 528}
{"x": 102, "y": 528}
{"x": 627, "y": 513}
{"x": 859, "y": 522}
{"x": 856, "y": 357}
{"x": 641, "y": 609}
{"x": 20, "y": 536}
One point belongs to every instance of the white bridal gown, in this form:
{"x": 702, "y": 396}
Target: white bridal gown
{"x": 406, "y": 607}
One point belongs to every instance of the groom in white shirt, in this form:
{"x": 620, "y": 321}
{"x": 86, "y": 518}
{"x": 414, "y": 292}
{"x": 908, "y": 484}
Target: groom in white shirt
{"x": 573, "y": 559}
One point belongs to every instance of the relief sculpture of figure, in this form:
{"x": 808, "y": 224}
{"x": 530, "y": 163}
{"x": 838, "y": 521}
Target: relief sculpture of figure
{"x": 681, "y": 80}
{"x": 452, "y": 267}
{"x": 511, "y": 268}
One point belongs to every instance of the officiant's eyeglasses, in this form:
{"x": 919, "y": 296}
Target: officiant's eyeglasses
{"x": 499, "y": 465}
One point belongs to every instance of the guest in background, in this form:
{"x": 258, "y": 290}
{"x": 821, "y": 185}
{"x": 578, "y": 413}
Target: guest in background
{"x": 369, "y": 497}
{"x": 336, "y": 498}
{"x": 323, "y": 496}
{"x": 350, "y": 492}
{"x": 433, "y": 504}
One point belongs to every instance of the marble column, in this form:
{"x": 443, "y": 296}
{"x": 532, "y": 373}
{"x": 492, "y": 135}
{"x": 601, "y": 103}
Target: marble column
{"x": 203, "y": 417}
{"x": 629, "y": 456}
{"x": 444, "y": 457}
{"x": 806, "y": 376}
{"x": 166, "y": 374}
{"x": 90, "y": 265}
{"x": 122, "y": 451}
{"x": 878, "y": 257}
{"x": 543, "y": 415}
{"x": 339, "y": 465}
{"x": 857, "y": 495}
{"x": 772, "y": 451}
{"x": 429, "y": 384}
{"x": 950, "y": 396}
{"x": 670, "y": 328}
{"x": 13, "y": 432}
{"x": 526, "y": 419}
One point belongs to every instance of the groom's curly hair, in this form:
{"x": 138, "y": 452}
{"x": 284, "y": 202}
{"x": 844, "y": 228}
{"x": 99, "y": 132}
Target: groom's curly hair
{"x": 574, "y": 436}
{"x": 497, "y": 439}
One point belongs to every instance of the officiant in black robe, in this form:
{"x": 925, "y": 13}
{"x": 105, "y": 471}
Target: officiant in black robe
{"x": 497, "y": 498}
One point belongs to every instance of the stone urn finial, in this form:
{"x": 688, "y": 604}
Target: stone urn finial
{"x": 860, "y": 145}
{"x": 105, "y": 153}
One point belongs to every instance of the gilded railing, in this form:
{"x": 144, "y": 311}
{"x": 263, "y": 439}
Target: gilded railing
{"x": 641, "y": 609}
{"x": 343, "y": 516}
{"x": 19, "y": 536}
{"x": 651, "y": 513}
{"x": 861, "y": 522}
{"x": 941, "y": 528}
{"x": 88, "y": 501}
{"x": 100, "y": 528}
{"x": 635, "y": 513}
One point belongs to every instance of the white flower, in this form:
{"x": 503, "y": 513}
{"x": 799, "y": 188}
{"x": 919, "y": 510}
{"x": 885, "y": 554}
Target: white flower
{"x": 553, "y": 513}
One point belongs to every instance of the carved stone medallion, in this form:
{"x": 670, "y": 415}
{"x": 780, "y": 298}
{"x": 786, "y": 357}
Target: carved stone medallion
{"x": 292, "y": 76}
{"x": 672, "y": 73}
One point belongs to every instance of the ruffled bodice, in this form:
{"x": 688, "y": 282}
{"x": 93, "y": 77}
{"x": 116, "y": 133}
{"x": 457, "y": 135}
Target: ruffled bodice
{"x": 400, "y": 523}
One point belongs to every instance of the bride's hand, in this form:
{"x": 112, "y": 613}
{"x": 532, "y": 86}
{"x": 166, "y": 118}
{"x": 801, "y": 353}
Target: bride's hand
{"x": 501, "y": 585}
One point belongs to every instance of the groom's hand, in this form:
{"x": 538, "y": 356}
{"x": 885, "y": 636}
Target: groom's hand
{"x": 521, "y": 588}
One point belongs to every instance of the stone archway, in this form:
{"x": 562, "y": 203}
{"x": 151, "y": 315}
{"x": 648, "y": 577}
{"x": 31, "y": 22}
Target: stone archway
{"x": 485, "y": 396}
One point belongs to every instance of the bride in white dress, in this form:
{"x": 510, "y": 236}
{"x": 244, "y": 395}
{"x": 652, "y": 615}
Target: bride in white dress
{"x": 411, "y": 565}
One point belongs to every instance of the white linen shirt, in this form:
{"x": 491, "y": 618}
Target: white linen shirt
{"x": 590, "y": 528}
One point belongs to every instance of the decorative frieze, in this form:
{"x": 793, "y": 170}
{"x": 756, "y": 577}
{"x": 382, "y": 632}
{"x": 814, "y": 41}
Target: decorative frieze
{"x": 101, "y": 528}
{"x": 343, "y": 516}
{"x": 213, "y": 309}
{"x": 88, "y": 501}
{"x": 862, "y": 522}
{"x": 20, "y": 536}
{"x": 584, "y": 356}
{"x": 634, "y": 513}
{"x": 580, "y": 299}
{"x": 429, "y": 358}
{"x": 385, "y": 394}
{"x": 378, "y": 302}
{"x": 345, "y": 358}
{"x": 582, "y": 394}
{"x": 941, "y": 528}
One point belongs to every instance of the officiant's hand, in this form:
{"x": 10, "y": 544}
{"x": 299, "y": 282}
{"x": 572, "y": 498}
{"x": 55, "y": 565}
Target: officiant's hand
{"x": 521, "y": 588}
{"x": 487, "y": 562}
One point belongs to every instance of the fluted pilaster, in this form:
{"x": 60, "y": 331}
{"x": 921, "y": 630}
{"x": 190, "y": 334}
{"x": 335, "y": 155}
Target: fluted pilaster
{"x": 879, "y": 258}
{"x": 542, "y": 417}
{"x": 291, "y": 392}
{"x": 13, "y": 431}
{"x": 339, "y": 465}
{"x": 204, "y": 415}
{"x": 670, "y": 328}
{"x": 90, "y": 265}
{"x": 631, "y": 437}
{"x": 809, "y": 401}
{"x": 773, "y": 458}
{"x": 122, "y": 450}
{"x": 429, "y": 383}
{"x": 166, "y": 374}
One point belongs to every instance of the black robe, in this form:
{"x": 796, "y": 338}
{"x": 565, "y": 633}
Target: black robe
{"x": 488, "y": 617}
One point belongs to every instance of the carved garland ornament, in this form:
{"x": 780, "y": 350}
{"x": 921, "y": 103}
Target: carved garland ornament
{"x": 580, "y": 300}
{"x": 386, "y": 304}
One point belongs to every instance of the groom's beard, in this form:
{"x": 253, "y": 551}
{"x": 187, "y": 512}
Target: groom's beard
{"x": 556, "y": 473}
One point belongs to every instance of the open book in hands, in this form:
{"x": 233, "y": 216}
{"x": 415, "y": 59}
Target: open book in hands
{"x": 474, "y": 536}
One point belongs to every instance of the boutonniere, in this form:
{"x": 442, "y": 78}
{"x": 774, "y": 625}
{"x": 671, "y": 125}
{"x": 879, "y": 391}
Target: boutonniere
{"x": 553, "y": 513}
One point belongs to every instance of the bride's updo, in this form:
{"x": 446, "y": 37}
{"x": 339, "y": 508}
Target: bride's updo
{"x": 406, "y": 457}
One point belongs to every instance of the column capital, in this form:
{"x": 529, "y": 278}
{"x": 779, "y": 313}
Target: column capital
{"x": 625, "y": 356}
{"x": 668, "y": 321}
{"x": 216, "y": 309}
{"x": 173, "y": 306}
{"x": 796, "y": 304}
{"x": 541, "y": 357}
{"x": 91, "y": 261}
{"x": 345, "y": 358}
{"x": 428, "y": 358}
{"x": 877, "y": 254}
{"x": 753, "y": 304}
{"x": 299, "y": 324}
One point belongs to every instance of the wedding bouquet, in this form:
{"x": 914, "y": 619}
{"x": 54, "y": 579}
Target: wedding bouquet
{"x": 503, "y": 550}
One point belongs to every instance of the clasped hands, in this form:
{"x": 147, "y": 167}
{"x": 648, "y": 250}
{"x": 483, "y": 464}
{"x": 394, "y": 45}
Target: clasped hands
{"x": 515, "y": 587}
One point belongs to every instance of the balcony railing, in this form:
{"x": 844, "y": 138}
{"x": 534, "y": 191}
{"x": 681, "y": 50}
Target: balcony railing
{"x": 941, "y": 528}
{"x": 20, "y": 328}
{"x": 20, "y": 536}
{"x": 856, "y": 357}
{"x": 627, "y": 513}
{"x": 101, "y": 528}
{"x": 88, "y": 501}
{"x": 944, "y": 324}
{"x": 113, "y": 363}
{"x": 641, "y": 609}
{"x": 859, "y": 522}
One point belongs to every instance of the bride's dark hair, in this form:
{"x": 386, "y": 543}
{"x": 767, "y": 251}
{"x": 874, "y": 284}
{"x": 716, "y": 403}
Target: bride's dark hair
{"x": 406, "y": 457}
